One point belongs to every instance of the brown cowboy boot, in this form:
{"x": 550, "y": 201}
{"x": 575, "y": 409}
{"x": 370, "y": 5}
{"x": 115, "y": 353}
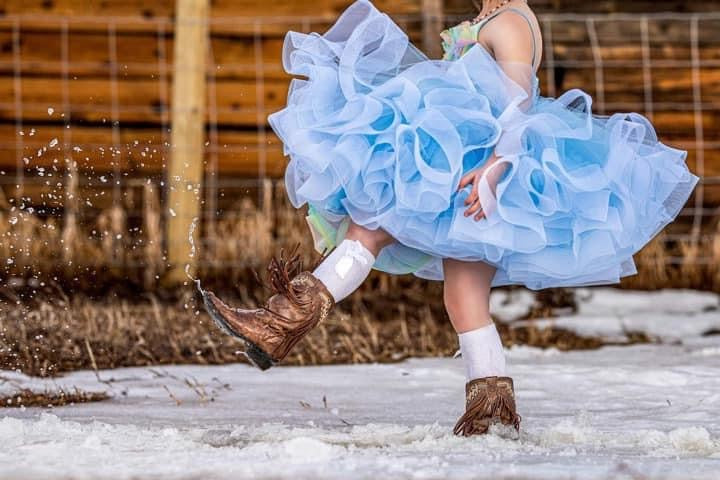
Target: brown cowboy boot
{"x": 300, "y": 302}
{"x": 488, "y": 401}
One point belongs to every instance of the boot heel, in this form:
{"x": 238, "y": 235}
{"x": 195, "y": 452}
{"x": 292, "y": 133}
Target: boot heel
{"x": 258, "y": 357}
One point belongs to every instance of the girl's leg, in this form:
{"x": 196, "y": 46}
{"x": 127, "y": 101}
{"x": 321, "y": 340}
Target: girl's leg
{"x": 373, "y": 240}
{"x": 349, "y": 264}
{"x": 467, "y": 300}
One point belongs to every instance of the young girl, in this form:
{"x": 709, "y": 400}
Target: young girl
{"x": 455, "y": 170}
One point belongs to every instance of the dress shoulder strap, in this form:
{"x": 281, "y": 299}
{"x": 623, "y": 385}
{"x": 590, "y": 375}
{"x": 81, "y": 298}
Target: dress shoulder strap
{"x": 521, "y": 13}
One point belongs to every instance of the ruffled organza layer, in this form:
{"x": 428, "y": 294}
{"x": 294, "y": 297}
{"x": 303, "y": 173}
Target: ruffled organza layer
{"x": 378, "y": 133}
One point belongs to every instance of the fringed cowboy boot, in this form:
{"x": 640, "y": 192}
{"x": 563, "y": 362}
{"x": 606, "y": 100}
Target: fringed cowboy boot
{"x": 299, "y": 303}
{"x": 488, "y": 401}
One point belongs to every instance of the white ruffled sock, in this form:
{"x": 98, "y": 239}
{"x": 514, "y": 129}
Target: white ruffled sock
{"x": 482, "y": 352}
{"x": 345, "y": 268}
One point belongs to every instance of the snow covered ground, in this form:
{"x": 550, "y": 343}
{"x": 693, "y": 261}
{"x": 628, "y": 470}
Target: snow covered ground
{"x": 666, "y": 315}
{"x": 646, "y": 411}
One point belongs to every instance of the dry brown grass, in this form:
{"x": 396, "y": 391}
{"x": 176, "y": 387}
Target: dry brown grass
{"x": 45, "y": 338}
{"x": 29, "y": 398}
{"x": 699, "y": 267}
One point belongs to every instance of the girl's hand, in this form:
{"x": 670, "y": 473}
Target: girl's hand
{"x": 473, "y": 177}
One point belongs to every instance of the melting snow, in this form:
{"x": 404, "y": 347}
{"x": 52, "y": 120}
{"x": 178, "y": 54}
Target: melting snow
{"x": 624, "y": 412}
{"x": 668, "y": 315}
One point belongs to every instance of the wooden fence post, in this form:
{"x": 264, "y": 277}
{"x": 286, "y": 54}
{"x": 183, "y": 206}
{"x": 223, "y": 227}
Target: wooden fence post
{"x": 185, "y": 168}
{"x": 433, "y": 22}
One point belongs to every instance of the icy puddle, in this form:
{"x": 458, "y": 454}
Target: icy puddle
{"x": 620, "y": 412}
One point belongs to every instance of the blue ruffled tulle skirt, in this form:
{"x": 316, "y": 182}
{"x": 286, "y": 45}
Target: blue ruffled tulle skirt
{"x": 378, "y": 133}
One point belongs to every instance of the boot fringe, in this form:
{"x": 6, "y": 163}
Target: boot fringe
{"x": 486, "y": 407}
{"x": 282, "y": 269}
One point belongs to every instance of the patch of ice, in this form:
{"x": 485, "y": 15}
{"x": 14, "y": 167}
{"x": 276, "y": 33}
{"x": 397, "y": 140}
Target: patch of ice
{"x": 614, "y": 301}
{"x": 669, "y": 315}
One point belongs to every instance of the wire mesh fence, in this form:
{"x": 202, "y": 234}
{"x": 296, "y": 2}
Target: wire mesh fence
{"x": 85, "y": 109}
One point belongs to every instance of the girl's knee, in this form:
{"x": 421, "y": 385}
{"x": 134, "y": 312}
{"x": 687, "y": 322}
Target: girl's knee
{"x": 378, "y": 238}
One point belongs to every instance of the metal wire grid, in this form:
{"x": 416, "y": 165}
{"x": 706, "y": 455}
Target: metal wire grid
{"x": 255, "y": 27}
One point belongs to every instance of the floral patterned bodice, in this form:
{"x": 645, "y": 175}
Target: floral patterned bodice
{"x": 457, "y": 40}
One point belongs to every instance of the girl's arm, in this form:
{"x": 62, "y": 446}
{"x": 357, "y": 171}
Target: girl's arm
{"x": 511, "y": 42}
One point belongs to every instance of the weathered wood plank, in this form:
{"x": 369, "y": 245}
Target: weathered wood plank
{"x": 39, "y": 192}
{"x": 166, "y": 8}
{"x": 144, "y": 151}
{"x": 140, "y": 151}
{"x": 601, "y": 6}
{"x": 140, "y": 54}
{"x": 226, "y": 15}
{"x": 669, "y": 84}
{"x": 143, "y": 100}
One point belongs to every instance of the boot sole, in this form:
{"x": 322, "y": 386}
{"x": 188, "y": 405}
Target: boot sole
{"x": 256, "y": 355}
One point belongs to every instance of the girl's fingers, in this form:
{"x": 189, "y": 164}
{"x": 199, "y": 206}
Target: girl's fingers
{"x": 473, "y": 208}
{"x": 474, "y": 191}
{"x": 464, "y": 181}
{"x": 470, "y": 177}
{"x": 472, "y": 197}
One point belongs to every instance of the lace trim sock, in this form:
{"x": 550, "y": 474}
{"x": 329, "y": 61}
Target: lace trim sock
{"x": 482, "y": 352}
{"x": 345, "y": 268}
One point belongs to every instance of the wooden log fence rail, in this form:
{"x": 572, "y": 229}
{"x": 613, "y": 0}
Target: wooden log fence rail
{"x": 96, "y": 91}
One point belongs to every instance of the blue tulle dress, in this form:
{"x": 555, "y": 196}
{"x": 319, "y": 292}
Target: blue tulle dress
{"x": 379, "y": 133}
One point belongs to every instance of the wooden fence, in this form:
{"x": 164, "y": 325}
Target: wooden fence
{"x": 89, "y": 84}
